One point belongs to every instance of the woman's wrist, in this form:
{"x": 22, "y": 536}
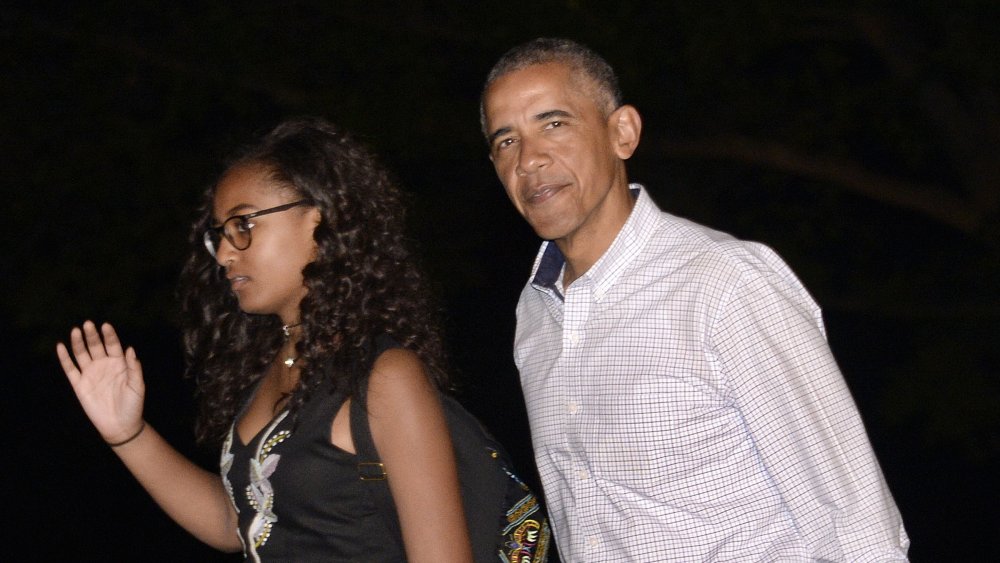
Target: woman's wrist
{"x": 130, "y": 438}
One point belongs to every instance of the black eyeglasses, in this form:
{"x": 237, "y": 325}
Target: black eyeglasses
{"x": 237, "y": 228}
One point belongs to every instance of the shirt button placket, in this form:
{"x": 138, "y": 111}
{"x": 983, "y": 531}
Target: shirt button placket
{"x": 574, "y": 338}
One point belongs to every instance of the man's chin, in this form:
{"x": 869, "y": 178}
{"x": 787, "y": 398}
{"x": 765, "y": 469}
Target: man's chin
{"x": 548, "y": 227}
{"x": 547, "y": 232}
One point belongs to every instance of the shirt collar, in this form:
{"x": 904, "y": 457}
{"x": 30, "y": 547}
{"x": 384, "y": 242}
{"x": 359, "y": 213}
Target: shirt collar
{"x": 549, "y": 262}
{"x": 547, "y": 271}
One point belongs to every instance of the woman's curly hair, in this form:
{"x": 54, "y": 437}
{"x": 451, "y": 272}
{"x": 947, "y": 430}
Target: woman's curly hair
{"x": 362, "y": 285}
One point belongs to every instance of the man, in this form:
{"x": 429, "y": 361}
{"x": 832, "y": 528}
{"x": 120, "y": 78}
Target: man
{"x": 683, "y": 400}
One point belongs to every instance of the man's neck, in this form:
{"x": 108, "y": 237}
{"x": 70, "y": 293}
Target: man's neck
{"x": 586, "y": 246}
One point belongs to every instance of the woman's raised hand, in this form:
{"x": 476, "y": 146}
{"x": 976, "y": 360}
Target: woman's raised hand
{"x": 107, "y": 381}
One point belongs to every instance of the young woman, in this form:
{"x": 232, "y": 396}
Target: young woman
{"x": 300, "y": 297}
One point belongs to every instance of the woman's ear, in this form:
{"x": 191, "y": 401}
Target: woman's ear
{"x": 625, "y": 127}
{"x": 314, "y": 216}
{"x": 312, "y": 220}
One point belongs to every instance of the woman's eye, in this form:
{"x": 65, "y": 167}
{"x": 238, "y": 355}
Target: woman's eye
{"x": 244, "y": 225}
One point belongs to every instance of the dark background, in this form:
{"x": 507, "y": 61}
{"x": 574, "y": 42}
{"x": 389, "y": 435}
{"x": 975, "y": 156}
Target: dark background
{"x": 863, "y": 144}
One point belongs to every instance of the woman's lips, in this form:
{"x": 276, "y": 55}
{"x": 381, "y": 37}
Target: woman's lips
{"x": 237, "y": 282}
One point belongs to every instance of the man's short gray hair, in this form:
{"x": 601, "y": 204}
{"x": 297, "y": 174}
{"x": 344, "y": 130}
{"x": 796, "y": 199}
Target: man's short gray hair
{"x": 599, "y": 79}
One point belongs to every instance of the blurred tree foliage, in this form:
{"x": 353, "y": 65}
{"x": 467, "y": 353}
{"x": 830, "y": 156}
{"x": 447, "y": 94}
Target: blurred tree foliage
{"x": 861, "y": 140}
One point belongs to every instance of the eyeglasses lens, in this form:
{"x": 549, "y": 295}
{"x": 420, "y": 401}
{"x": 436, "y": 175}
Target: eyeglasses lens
{"x": 238, "y": 232}
{"x": 235, "y": 229}
{"x": 211, "y": 240}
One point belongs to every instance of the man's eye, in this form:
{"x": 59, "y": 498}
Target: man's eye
{"x": 504, "y": 143}
{"x": 554, "y": 124}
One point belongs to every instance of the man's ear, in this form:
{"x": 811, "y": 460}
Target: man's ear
{"x": 625, "y": 127}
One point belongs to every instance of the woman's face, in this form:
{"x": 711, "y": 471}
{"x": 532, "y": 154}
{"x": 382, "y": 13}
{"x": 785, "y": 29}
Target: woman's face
{"x": 266, "y": 276}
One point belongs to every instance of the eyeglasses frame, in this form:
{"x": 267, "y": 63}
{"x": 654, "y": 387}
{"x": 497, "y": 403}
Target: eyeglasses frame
{"x": 220, "y": 230}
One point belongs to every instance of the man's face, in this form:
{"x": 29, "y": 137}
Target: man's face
{"x": 559, "y": 157}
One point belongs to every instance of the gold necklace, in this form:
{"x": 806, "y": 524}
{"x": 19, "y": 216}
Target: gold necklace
{"x": 286, "y": 329}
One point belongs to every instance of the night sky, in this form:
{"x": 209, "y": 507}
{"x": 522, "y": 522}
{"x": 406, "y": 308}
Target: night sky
{"x": 862, "y": 145}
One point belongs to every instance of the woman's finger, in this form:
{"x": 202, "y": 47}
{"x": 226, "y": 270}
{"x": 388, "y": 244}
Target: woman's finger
{"x": 111, "y": 342}
{"x": 132, "y": 360}
{"x": 79, "y": 347}
{"x": 94, "y": 344}
{"x": 67, "y": 363}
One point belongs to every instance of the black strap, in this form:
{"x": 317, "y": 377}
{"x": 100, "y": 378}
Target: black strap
{"x": 370, "y": 467}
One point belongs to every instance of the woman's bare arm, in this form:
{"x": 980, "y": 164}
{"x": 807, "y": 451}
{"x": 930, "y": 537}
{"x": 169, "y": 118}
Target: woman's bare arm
{"x": 410, "y": 433}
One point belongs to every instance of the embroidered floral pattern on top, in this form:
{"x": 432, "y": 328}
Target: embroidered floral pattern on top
{"x": 259, "y": 492}
{"x": 225, "y": 464}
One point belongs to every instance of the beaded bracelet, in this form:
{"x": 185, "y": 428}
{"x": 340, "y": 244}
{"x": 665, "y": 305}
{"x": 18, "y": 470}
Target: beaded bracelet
{"x": 130, "y": 438}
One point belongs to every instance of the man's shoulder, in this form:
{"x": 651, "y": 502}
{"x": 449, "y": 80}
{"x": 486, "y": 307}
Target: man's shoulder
{"x": 688, "y": 241}
{"x": 686, "y": 244}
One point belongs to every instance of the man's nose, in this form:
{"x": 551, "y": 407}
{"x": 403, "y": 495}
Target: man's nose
{"x": 531, "y": 157}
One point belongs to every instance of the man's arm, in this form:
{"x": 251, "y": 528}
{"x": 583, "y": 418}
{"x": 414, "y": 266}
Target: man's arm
{"x": 805, "y": 425}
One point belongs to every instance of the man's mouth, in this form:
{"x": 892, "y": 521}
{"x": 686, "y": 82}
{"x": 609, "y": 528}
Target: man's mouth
{"x": 543, "y": 193}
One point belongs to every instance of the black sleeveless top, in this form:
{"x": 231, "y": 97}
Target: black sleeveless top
{"x": 299, "y": 497}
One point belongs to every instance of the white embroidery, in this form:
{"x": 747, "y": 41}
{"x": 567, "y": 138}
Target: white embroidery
{"x": 259, "y": 492}
{"x": 225, "y": 464}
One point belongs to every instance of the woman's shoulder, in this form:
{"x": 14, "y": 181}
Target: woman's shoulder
{"x": 396, "y": 367}
{"x": 399, "y": 385}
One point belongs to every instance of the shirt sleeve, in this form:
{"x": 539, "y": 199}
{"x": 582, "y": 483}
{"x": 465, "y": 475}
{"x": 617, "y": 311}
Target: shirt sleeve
{"x": 800, "y": 415}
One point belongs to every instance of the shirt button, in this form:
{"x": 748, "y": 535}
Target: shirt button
{"x": 572, "y": 407}
{"x": 574, "y": 338}
{"x": 592, "y": 542}
{"x": 582, "y": 474}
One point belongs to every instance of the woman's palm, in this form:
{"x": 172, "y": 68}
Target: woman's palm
{"x": 107, "y": 381}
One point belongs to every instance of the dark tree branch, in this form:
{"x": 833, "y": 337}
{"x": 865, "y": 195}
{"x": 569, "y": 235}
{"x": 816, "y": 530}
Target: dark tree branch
{"x": 931, "y": 201}
{"x": 969, "y": 126}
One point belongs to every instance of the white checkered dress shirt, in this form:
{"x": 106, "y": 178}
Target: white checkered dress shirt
{"x": 685, "y": 406}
